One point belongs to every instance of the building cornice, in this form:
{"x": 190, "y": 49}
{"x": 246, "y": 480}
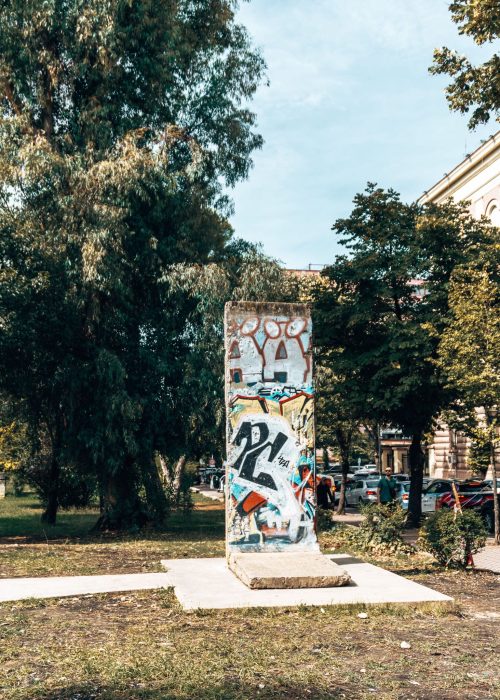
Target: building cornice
{"x": 472, "y": 164}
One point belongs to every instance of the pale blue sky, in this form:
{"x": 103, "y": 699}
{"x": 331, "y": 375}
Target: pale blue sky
{"x": 350, "y": 100}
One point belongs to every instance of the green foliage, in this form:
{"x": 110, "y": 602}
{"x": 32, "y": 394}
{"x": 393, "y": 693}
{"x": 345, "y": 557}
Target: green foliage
{"x": 122, "y": 122}
{"x": 453, "y": 538}
{"x": 474, "y": 87}
{"x": 469, "y": 349}
{"x": 324, "y": 522}
{"x": 382, "y": 529}
{"x": 479, "y": 457}
{"x": 376, "y": 322}
{"x": 469, "y": 356}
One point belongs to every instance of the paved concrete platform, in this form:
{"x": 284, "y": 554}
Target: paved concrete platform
{"x": 264, "y": 570}
{"x": 61, "y": 586}
{"x": 208, "y": 583}
{"x": 208, "y": 492}
{"x": 488, "y": 559}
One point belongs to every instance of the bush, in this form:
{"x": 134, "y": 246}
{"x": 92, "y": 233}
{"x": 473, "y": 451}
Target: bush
{"x": 382, "y": 530}
{"x": 453, "y": 538}
{"x": 324, "y": 522}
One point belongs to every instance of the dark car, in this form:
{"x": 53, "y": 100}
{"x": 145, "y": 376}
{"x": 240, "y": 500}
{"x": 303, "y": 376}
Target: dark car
{"x": 487, "y": 513}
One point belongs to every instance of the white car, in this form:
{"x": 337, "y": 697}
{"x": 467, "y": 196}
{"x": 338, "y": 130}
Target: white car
{"x": 361, "y": 490}
{"x": 435, "y": 489}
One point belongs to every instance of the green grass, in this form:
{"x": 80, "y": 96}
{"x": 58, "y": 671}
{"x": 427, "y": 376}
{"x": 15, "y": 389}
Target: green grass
{"x": 21, "y": 517}
{"x": 29, "y": 548}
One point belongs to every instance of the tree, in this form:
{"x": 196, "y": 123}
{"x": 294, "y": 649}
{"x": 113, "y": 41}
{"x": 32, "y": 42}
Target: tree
{"x": 475, "y": 88}
{"x": 121, "y": 124}
{"x": 373, "y": 319}
{"x": 242, "y": 272}
{"x": 469, "y": 356}
{"x": 337, "y": 422}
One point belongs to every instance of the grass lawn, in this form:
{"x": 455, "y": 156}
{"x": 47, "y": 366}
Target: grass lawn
{"x": 142, "y": 646}
{"x": 30, "y": 548}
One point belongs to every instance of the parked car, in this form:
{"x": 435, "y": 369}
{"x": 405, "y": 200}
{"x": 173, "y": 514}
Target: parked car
{"x": 472, "y": 494}
{"x": 487, "y": 512}
{"x": 434, "y": 491}
{"x": 363, "y": 469}
{"x": 361, "y": 490}
{"x": 403, "y": 494}
{"x": 401, "y": 477}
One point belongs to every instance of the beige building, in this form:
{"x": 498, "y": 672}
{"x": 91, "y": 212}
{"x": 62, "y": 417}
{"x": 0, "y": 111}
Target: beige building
{"x": 476, "y": 180}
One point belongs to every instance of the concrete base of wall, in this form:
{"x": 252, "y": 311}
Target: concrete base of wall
{"x": 287, "y": 570}
{"x": 209, "y": 584}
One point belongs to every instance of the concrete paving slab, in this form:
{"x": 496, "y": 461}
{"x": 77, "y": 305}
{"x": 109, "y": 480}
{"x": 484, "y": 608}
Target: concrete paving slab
{"x": 208, "y": 583}
{"x": 488, "y": 559}
{"x": 62, "y": 586}
{"x": 287, "y": 570}
{"x": 208, "y": 493}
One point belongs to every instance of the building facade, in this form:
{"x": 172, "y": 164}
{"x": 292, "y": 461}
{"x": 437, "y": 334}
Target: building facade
{"x": 476, "y": 180}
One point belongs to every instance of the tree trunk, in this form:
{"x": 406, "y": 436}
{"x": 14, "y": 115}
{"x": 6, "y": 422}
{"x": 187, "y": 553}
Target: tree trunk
{"x": 121, "y": 507}
{"x": 496, "y": 505}
{"x": 155, "y": 494}
{"x": 344, "y": 442}
{"x": 416, "y": 462}
{"x": 50, "y": 513}
{"x": 177, "y": 480}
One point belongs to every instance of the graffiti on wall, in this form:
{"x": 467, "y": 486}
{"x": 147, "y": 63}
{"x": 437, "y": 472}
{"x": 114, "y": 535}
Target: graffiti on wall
{"x": 270, "y": 503}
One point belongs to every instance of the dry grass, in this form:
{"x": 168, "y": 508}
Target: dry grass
{"x": 142, "y": 646}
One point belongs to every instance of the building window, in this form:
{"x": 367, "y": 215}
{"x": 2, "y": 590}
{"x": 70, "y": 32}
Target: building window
{"x": 280, "y": 377}
{"x": 493, "y": 213}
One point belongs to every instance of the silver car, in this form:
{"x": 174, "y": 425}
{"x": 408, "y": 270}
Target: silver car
{"x": 361, "y": 490}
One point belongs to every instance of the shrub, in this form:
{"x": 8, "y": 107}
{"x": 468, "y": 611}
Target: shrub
{"x": 382, "y": 529}
{"x": 324, "y": 522}
{"x": 453, "y": 538}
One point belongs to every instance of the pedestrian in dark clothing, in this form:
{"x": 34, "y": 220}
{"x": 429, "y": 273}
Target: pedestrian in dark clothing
{"x": 324, "y": 495}
{"x": 386, "y": 488}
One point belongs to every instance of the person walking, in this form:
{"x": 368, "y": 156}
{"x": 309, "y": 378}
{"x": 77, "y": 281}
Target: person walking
{"x": 386, "y": 488}
{"x": 324, "y": 495}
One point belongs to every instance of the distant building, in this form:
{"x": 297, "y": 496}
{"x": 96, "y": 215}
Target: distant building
{"x": 477, "y": 180}
{"x": 312, "y": 270}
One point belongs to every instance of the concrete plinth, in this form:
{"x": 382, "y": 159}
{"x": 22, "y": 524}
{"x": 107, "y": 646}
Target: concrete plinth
{"x": 209, "y": 584}
{"x": 266, "y": 570}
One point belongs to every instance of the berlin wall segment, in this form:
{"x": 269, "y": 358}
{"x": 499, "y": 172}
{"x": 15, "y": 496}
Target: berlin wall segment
{"x": 270, "y": 473}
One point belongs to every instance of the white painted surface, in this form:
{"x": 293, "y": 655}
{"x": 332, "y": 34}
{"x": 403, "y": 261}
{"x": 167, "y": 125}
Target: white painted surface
{"x": 208, "y": 583}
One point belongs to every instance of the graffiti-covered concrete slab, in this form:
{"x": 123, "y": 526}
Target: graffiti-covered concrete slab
{"x": 287, "y": 570}
{"x": 270, "y": 504}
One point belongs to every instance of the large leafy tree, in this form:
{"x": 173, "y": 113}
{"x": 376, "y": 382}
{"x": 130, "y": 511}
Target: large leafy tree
{"x": 474, "y": 88}
{"x": 469, "y": 356}
{"x": 373, "y": 320}
{"x": 121, "y": 121}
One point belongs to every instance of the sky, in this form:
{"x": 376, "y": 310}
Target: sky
{"x": 350, "y": 100}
